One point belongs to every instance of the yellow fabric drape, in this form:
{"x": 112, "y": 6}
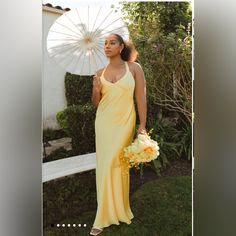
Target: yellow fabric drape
{"x": 114, "y": 127}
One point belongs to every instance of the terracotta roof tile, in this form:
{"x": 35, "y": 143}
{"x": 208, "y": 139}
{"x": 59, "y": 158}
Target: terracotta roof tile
{"x": 56, "y": 7}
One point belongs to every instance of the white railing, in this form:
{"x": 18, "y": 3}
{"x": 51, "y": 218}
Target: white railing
{"x": 67, "y": 166}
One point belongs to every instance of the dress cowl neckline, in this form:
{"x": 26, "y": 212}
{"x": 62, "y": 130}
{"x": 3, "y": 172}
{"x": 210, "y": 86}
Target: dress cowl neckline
{"x": 126, "y": 72}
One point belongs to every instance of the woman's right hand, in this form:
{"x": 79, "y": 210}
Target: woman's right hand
{"x": 97, "y": 85}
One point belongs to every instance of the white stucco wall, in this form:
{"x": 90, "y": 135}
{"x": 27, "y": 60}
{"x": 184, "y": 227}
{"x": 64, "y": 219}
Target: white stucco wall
{"x": 53, "y": 93}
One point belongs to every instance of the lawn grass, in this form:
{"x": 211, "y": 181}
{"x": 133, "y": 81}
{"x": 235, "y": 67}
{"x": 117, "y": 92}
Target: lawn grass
{"x": 161, "y": 208}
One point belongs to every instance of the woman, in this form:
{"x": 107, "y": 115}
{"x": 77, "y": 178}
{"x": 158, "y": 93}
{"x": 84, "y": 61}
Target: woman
{"x": 113, "y": 90}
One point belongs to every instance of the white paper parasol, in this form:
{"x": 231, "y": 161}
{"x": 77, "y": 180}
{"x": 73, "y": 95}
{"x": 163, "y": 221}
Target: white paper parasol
{"x": 76, "y": 39}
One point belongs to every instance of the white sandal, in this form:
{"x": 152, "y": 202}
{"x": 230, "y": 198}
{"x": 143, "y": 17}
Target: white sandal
{"x": 95, "y": 231}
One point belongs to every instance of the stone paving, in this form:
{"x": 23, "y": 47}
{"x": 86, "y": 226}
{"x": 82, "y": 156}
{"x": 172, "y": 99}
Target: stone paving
{"x": 58, "y": 143}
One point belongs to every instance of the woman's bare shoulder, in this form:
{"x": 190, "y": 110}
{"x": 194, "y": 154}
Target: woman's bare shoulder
{"x": 99, "y": 72}
{"x": 135, "y": 65}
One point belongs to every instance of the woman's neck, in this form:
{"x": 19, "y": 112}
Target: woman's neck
{"x": 116, "y": 61}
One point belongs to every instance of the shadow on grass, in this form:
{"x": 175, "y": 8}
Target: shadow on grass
{"x": 161, "y": 208}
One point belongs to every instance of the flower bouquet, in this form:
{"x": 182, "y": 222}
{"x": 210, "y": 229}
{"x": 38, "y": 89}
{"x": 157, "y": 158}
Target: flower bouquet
{"x": 142, "y": 150}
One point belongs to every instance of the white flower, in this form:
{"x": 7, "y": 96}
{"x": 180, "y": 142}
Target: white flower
{"x": 143, "y": 149}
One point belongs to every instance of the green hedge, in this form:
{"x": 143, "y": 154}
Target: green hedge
{"x": 50, "y": 134}
{"x": 78, "y": 122}
{"x": 77, "y": 89}
{"x": 58, "y": 154}
{"x": 174, "y": 140}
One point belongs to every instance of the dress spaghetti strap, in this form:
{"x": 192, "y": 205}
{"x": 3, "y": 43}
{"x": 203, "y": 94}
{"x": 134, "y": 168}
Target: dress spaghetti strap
{"x": 102, "y": 75}
{"x": 126, "y": 68}
{"x": 126, "y": 65}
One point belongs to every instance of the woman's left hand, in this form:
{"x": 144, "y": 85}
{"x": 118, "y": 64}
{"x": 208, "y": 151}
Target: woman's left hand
{"x": 140, "y": 130}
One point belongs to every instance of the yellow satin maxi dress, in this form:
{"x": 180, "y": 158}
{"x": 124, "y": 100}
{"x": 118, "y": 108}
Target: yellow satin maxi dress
{"x": 114, "y": 128}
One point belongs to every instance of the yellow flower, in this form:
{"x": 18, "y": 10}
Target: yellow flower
{"x": 148, "y": 150}
{"x": 143, "y": 149}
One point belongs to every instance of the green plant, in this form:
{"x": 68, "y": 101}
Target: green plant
{"x": 185, "y": 142}
{"x": 77, "y": 89}
{"x": 50, "y": 134}
{"x": 78, "y": 122}
{"x": 161, "y": 32}
{"x": 62, "y": 120}
{"x": 163, "y": 132}
{"x": 60, "y": 153}
{"x": 174, "y": 140}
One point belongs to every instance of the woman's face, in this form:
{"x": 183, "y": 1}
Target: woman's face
{"x": 112, "y": 46}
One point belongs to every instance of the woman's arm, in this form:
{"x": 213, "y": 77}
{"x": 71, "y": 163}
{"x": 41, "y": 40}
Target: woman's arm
{"x": 140, "y": 95}
{"x": 96, "y": 96}
{"x": 97, "y": 86}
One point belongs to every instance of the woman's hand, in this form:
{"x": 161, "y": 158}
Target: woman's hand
{"x": 96, "y": 93}
{"x": 141, "y": 130}
{"x": 97, "y": 85}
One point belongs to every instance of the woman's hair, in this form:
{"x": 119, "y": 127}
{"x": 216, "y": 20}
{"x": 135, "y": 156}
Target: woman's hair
{"x": 129, "y": 52}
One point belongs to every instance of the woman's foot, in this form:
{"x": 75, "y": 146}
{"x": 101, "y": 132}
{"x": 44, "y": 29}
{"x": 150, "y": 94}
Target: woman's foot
{"x": 95, "y": 231}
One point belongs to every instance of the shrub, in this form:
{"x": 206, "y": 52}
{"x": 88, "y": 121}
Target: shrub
{"x": 78, "y": 121}
{"x": 163, "y": 131}
{"x": 60, "y": 153}
{"x": 174, "y": 142}
{"x": 77, "y": 89}
{"x": 62, "y": 119}
{"x": 185, "y": 141}
{"x": 50, "y": 134}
